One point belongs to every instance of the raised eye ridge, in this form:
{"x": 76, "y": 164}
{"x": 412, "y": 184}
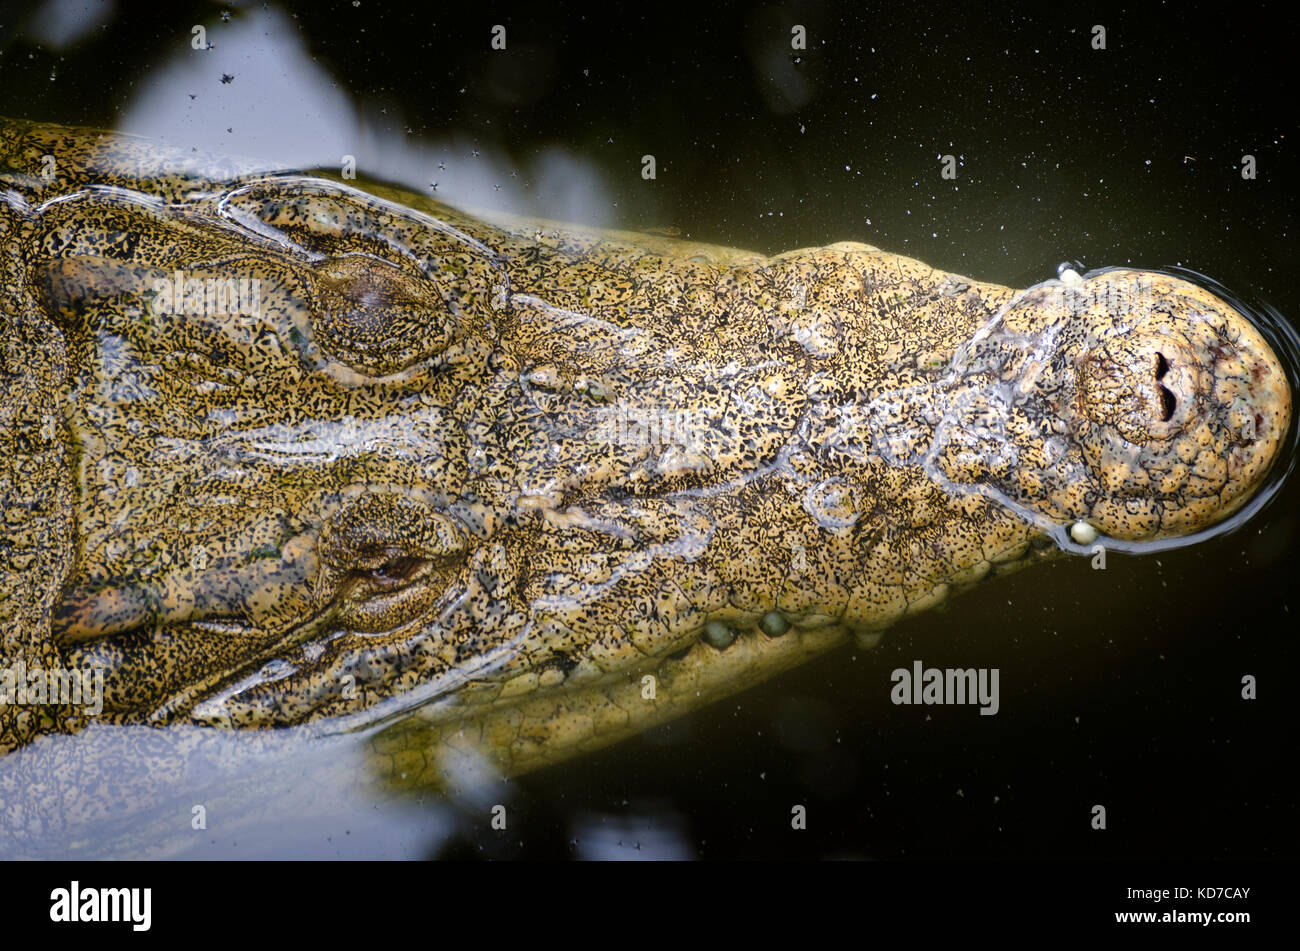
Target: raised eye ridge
{"x": 375, "y": 317}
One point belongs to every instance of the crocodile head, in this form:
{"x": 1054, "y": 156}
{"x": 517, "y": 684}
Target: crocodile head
{"x": 337, "y": 456}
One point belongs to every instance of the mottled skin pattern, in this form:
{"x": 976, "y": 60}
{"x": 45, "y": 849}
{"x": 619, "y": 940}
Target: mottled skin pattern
{"x": 506, "y": 472}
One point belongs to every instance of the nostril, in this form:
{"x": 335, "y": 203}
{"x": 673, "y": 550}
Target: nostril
{"x": 1167, "y": 404}
{"x": 1162, "y": 367}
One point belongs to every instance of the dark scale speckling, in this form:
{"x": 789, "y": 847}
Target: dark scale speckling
{"x": 508, "y": 472}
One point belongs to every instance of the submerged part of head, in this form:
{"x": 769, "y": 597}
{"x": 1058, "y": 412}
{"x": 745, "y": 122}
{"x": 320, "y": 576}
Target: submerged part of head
{"x": 1131, "y": 405}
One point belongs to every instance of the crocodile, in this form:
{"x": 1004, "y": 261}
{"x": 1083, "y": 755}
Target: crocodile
{"x": 286, "y": 457}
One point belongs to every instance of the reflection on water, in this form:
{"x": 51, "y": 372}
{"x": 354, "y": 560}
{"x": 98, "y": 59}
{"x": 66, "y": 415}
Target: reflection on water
{"x": 62, "y": 24}
{"x": 257, "y": 92}
{"x": 200, "y": 794}
{"x": 137, "y": 792}
{"x": 647, "y": 834}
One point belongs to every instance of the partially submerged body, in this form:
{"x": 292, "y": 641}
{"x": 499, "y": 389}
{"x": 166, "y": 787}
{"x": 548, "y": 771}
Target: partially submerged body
{"x": 285, "y": 454}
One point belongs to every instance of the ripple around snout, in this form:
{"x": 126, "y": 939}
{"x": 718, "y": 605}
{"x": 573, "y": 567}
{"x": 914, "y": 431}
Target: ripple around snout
{"x": 1283, "y": 338}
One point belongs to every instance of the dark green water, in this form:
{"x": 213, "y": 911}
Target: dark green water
{"x": 1119, "y": 687}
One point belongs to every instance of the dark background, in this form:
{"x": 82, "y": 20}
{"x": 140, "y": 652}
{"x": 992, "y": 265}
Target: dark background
{"x": 1119, "y": 687}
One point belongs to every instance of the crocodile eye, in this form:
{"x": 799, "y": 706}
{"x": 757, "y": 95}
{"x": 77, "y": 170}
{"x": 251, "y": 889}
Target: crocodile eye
{"x": 389, "y": 287}
{"x": 387, "y": 558}
{"x": 375, "y": 317}
{"x": 395, "y": 572}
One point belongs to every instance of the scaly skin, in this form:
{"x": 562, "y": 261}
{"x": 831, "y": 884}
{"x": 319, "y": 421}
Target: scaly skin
{"x": 421, "y": 474}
